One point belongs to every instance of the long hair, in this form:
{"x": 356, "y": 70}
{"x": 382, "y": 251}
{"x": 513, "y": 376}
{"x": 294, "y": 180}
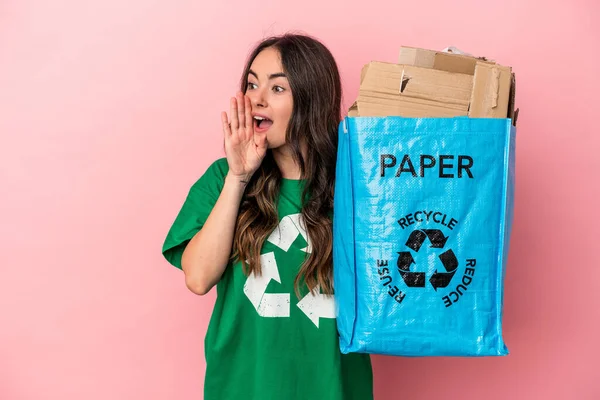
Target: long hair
{"x": 316, "y": 91}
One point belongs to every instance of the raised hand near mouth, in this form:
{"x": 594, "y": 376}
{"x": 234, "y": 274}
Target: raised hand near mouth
{"x": 245, "y": 149}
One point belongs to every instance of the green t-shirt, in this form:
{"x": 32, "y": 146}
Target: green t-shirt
{"x": 263, "y": 343}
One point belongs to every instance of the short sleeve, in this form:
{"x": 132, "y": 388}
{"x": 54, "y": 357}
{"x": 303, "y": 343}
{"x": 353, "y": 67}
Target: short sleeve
{"x": 196, "y": 208}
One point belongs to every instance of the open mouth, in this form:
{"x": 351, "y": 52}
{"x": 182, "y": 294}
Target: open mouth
{"x": 262, "y": 123}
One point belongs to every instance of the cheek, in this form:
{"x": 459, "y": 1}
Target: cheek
{"x": 284, "y": 112}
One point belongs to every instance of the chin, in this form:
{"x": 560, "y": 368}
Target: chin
{"x": 275, "y": 142}
{"x": 274, "y": 146}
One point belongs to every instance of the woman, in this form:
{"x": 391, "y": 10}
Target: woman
{"x": 258, "y": 225}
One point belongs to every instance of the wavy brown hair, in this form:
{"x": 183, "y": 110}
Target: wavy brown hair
{"x": 316, "y": 91}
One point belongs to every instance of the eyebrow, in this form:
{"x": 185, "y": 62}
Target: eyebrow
{"x": 272, "y": 76}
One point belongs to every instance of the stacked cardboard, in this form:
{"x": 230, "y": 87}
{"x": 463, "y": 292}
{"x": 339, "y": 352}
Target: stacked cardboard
{"x": 428, "y": 83}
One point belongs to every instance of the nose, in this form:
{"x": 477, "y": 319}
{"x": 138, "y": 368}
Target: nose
{"x": 257, "y": 97}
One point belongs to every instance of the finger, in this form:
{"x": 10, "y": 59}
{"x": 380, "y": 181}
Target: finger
{"x": 240, "y": 110}
{"x": 249, "y": 119}
{"x": 226, "y": 127}
{"x": 234, "y": 114}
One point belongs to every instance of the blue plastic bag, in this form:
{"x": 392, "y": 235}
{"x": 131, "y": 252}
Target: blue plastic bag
{"x": 422, "y": 217}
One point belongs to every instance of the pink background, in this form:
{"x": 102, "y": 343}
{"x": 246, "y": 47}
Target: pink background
{"x": 109, "y": 110}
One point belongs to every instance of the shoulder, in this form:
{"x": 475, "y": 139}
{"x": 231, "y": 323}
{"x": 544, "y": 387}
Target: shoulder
{"x": 211, "y": 182}
{"x": 216, "y": 172}
{"x": 218, "y": 168}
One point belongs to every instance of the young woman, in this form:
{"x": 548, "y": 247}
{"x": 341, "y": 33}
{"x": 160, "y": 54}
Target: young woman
{"x": 258, "y": 225}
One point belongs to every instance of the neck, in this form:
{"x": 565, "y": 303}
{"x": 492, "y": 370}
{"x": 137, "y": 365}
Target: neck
{"x": 286, "y": 163}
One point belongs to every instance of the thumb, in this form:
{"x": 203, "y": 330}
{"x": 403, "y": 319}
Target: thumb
{"x": 260, "y": 139}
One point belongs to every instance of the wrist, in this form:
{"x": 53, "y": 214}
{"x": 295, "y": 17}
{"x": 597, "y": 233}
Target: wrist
{"x": 239, "y": 180}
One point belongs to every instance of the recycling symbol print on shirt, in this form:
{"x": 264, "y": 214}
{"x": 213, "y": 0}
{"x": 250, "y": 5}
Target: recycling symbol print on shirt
{"x": 314, "y": 305}
{"x": 439, "y": 279}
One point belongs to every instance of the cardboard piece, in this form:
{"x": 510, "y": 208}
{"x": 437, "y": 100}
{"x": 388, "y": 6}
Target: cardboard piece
{"x": 427, "y": 83}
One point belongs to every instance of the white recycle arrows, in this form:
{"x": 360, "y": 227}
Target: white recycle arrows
{"x": 315, "y": 305}
{"x": 287, "y": 231}
{"x": 267, "y": 304}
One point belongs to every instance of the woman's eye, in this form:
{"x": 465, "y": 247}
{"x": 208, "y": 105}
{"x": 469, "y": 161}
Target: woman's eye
{"x": 278, "y": 89}
{"x": 251, "y": 85}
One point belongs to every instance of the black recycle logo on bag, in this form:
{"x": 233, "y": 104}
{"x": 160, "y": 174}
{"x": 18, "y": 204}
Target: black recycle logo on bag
{"x": 422, "y": 241}
{"x": 441, "y": 278}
